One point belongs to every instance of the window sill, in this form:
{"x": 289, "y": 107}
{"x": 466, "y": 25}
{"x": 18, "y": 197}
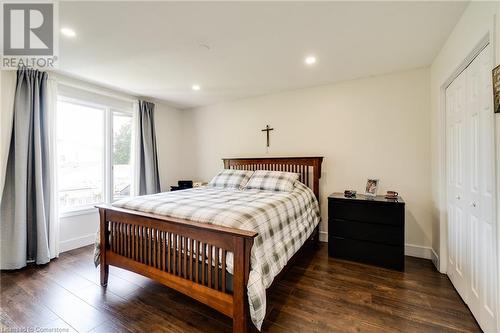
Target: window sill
{"x": 78, "y": 211}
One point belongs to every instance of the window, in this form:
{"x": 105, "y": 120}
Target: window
{"x": 122, "y": 155}
{"x": 80, "y": 155}
{"x": 94, "y": 154}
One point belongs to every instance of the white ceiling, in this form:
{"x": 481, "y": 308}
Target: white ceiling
{"x": 153, "y": 48}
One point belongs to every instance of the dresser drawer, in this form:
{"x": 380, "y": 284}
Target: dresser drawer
{"x": 376, "y": 233}
{"x": 366, "y": 212}
{"x": 367, "y": 252}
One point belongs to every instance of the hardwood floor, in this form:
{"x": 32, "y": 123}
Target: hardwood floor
{"x": 318, "y": 294}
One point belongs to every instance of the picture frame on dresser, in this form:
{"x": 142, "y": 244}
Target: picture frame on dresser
{"x": 371, "y": 187}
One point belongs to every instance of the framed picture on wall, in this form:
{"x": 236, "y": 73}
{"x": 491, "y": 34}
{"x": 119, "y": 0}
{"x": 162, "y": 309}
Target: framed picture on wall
{"x": 371, "y": 187}
{"x": 496, "y": 88}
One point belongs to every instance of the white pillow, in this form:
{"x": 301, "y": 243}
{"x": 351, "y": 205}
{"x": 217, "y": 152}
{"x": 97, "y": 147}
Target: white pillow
{"x": 272, "y": 181}
{"x": 230, "y": 178}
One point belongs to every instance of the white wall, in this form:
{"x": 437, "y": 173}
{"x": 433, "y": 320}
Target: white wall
{"x": 77, "y": 230}
{"x": 477, "y": 21}
{"x": 172, "y": 151}
{"x": 373, "y": 127}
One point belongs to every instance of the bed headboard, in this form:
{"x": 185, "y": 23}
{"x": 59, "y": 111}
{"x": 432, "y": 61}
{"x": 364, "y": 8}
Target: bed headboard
{"x": 309, "y": 168}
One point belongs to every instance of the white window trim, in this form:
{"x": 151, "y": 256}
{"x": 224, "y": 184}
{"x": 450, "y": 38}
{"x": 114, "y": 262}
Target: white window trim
{"x": 84, "y": 210}
{"x": 108, "y": 112}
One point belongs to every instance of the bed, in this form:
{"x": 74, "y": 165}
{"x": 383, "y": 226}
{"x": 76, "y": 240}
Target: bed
{"x": 219, "y": 260}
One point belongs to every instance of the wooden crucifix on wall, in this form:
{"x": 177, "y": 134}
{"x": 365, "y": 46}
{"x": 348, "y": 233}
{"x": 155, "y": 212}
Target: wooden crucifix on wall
{"x": 267, "y": 130}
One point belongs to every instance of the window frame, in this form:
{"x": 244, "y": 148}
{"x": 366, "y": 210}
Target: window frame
{"x": 107, "y": 158}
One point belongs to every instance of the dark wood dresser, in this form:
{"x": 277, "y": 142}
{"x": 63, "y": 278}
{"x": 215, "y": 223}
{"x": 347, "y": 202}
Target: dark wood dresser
{"x": 367, "y": 229}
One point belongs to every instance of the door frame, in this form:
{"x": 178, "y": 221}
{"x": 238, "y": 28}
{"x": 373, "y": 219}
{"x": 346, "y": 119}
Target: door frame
{"x": 442, "y": 261}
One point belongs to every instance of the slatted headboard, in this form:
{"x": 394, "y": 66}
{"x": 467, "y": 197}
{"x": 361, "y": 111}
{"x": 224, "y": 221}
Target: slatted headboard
{"x": 309, "y": 168}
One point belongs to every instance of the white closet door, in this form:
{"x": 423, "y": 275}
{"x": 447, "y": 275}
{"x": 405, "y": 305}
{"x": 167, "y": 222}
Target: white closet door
{"x": 473, "y": 267}
{"x": 456, "y": 171}
{"x": 483, "y": 265}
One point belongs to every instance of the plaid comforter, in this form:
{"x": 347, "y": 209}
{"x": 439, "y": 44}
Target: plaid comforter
{"x": 283, "y": 220}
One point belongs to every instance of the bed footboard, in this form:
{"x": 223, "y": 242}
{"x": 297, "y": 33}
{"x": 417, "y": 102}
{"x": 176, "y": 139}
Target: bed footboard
{"x": 186, "y": 256}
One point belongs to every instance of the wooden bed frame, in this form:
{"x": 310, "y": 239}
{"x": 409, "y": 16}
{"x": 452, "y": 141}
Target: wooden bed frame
{"x": 158, "y": 247}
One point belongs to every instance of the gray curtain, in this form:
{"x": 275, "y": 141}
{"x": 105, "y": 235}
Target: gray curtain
{"x": 25, "y": 206}
{"x": 149, "y": 178}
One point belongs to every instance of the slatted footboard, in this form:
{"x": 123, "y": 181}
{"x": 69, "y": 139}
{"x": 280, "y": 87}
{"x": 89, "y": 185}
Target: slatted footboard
{"x": 187, "y": 256}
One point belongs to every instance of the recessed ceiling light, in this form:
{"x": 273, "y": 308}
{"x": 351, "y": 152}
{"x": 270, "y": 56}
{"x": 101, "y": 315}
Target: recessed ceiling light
{"x": 310, "y": 60}
{"x": 195, "y": 87}
{"x": 68, "y": 32}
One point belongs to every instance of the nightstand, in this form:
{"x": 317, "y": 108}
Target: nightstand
{"x": 367, "y": 229}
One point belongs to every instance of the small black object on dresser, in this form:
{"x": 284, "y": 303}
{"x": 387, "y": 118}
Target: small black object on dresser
{"x": 367, "y": 229}
{"x": 182, "y": 185}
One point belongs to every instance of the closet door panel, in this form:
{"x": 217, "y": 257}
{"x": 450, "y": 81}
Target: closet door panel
{"x": 473, "y": 123}
{"x": 476, "y": 258}
{"x": 460, "y": 227}
{"x": 456, "y": 170}
{"x": 472, "y": 230}
{"x": 451, "y": 238}
{"x": 489, "y": 299}
{"x": 479, "y": 122}
{"x": 486, "y": 138}
{"x": 485, "y": 204}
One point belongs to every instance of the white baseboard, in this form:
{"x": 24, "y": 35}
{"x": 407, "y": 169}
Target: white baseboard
{"x": 323, "y": 236}
{"x": 74, "y": 243}
{"x": 418, "y": 251}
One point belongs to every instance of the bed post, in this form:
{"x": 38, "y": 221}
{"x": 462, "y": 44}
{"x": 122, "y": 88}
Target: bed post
{"x": 241, "y": 314}
{"x": 103, "y": 236}
{"x": 316, "y": 175}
